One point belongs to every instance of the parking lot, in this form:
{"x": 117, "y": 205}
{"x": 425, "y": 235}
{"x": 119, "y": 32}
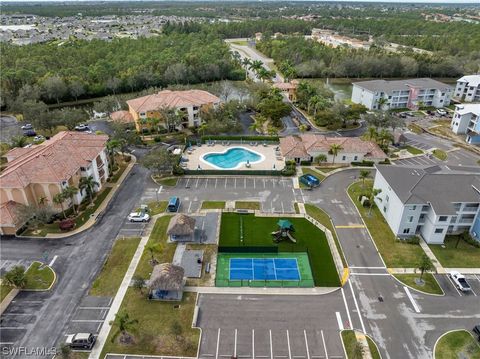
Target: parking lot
{"x": 132, "y": 229}
{"x": 424, "y": 160}
{"x": 450, "y": 289}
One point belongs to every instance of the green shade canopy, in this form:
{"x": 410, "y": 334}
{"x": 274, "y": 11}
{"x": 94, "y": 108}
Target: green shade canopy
{"x": 284, "y": 224}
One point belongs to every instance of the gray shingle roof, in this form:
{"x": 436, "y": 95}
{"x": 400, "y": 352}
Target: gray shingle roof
{"x": 402, "y": 85}
{"x": 435, "y": 185}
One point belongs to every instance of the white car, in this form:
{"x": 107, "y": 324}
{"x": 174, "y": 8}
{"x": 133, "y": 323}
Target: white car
{"x": 460, "y": 281}
{"x": 82, "y": 127}
{"x": 138, "y": 217}
{"x": 27, "y": 126}
{"x": 441, "y": 112}
{"x": 38, "y": 138}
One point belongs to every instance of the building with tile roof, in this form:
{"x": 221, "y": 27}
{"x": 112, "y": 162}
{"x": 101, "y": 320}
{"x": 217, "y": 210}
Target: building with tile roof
{"x": 188, "y": 104}
{"x": 42, "y": 171}
{"x": 306, "y": 147}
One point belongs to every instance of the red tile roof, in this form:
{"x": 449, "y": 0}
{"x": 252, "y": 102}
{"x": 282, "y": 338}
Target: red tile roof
{"x": 172, "y": 99}
{"x": 8, "y": 213}
{"x": 52, "y": 161}
{"x": 121, "y": 116}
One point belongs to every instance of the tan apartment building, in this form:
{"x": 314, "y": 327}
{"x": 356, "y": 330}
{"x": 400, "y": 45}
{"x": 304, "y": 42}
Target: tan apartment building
{"x": 188, "y": 104}
{"x": 36, "y": 174}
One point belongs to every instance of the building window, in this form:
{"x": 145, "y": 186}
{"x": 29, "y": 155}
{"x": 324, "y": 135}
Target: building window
{"x": 83, "y": 169}
{"x": 410, "y": 219}
{"x": 384, "y": 209}
{"x": 442, "y": 218}
{"x": 344, "y": 158}
{"x": 355, "y": 158}
{"x": 406, "y": 231}
{"x": 414, "y": 208}
{"x": 439, "y": 230}
{"x": 387, "y": 198}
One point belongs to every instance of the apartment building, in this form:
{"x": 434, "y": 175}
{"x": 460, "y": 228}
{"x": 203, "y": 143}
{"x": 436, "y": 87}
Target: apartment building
{"x": 187, "y": 104}
{"x": 466, "y": 120}
{"x": 468, "y": 89}
{"x": 36, "y": 174}
{"x": 429, "y": 201}
{"x": 413, "y": 93}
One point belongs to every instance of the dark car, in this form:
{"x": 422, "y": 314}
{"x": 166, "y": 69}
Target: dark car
{"x": 29, "y": 133}
{"x": 81, "y": 341}
{"x": 476, "y": 330}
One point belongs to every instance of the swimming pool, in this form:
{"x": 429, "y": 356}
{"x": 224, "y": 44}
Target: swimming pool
{"x": 232, "y": 158}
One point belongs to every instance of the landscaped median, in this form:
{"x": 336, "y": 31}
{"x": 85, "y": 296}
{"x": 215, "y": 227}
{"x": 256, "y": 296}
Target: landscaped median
{"x": 247, "y": 205}
{"x": 354, "y": 348}
{"x": 39, "y": 277}
{"x": 428, "y": 285}
{"x": 395, "y": 253}
{"x": 456, "y": 344}
{"x": 213, "y": 205}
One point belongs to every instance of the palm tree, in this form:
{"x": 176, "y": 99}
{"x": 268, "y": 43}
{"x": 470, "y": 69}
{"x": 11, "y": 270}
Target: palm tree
{"x": 123, "y": 323}
{"x": 372, "y": 133}
{"x": 372, "y": 197}
{"x": 364, "y": 174}
{"x": 384, "y": 137}
{"x": 246, "y": 64}
{"x": 321, "y": 158}
{"x": 19, "y": 141}
{"x": 256, "y": 65}
{"x": 334, "y": 150}
{"x": 272, "y": 131}
{"x": 42, "y": 201}
{"x": 70, "y": 192}
{"x": 254, "y": 127}
{"x": 382, "y": 102}
{"x": 88, "y": 185}
{"x": 202, "y": 128}
{"x": 112, "y": 146}
{"x": 152, "y": 248}
{"x": 264, "y": 74}
{"x": 425, "y": 264}
{"x": 59, "y": 198}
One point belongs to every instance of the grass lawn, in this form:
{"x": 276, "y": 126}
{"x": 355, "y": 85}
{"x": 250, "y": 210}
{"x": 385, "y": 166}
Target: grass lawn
{"x": 247, "y": 205}
{"x": 441, "y": 155}
{"x": 157, "y": 207}
{"x": 413, "y": 150}
{"x": 306, "y": 170}
{"x": 163, "y": 251}
{"x": 97, "y": 201}
{"x": 457, "y": 344}
{"x": 122, "y": 166}
{"x": 4, "y": 290}
{"x": 322, "y": 216}
{"x": 353, "y": 350}
{"x": 213, "y": 205}
{"x": 39, "y": 277}
{"x": 464, "y": 256}
{"x": 240, "y": 42}
{"x": 153, "y": 334}
{"x": 113, "y": 271}
{"x": 170, "y": 182}
{"x": 430, "y": 286}
{"x": 395, "y": 253}
{"x": 373, "y": 348}
{"x": 415, "y": 128}
{"x": 257, "y": 233}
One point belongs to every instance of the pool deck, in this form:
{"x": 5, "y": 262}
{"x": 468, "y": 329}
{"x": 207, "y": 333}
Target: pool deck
{"x": 271, "y": 159}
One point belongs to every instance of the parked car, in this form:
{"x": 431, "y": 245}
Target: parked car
{"x": 29, "y": 133}
{"x": 441, "y": 112}
{"x": 81, "y": 341}
{"x": 138, "y": 217}
{"x": 27, "y": 126}
{"x": 460, "y": 281}
{"x": 82, "y": 127}
{"x": 476, "y": 330}
{"x": 173, "y": 204}
{"x": 38, "y": 138}
{"x": 310, "y": 180}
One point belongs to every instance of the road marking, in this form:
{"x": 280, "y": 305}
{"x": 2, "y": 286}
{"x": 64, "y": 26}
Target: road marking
{"x": 356, "y": 306}
{"x": 94, "y": 308}
{"x": 352, "y": 226}
{"x": 245, "y": 182}
{"x": 206, "y": 183}
{"x": 306, "y": 343}
{"x": 12, "y": 328}
{"x": 196, "y": 183}
{"x": 216, "y": 179}
{"x": 347, "y": 309}
{"x": 218, "y": 343}
{"x": 52, "y": 261}
{"x": 264, "y": 183}
{"x": 87, "y": 320}
{"x": 271, "y": 345}
{"x": 288, "y": 344}
{"x": 324, "y": 346}
{"x": 283, "y": 209}
{"x": 370, "y": 274}
{"x": 339, "y": 321}
{"x": 98, "y": 328}
{"x": 189, "y": 206}
{"x": 235, "y": 346}
{"x": 253, "y": 183}
{"x": 226, "y": 180}
{"x": 235, "y": 182}
{"x": 409, "y": 295}
{"x": 253, "y": 343}
{"x": 366, "y": 267}
{"x": 454, "y": 286}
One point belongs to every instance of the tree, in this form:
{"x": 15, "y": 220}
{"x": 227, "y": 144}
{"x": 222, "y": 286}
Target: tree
{"x": 138, "y": 283}
{"x": 70, "y": 192}
{"x": 202, "y": 128}
{"x": 425, "y": 264}
{"x": 171, "y": 117}
{"x": 256, "y": 65}
{"x": 54, "y": 88}
{"x": 321, "y": 158}
{"x": 159, "y": 160}
{"x": 58, "y": 199}
{"x": 254, "y": 127}
{"x": 246, "y": 64}
{"x": 88, "y": 184}
{"x": 18, "y": 141}
{"x": 16, "y": 277}
{"x": 334, "y": 150}
{"x": 112, "y": 146}
{"x": 77, "y": 89}
{"x": 113, "y": 84}
{"x": 364, "y": 174}
{"x": 226, "y": 90}
{"x": 152, "y": 248}
{"x": 382, "y": 102}
{"x": 123, "y": 323}
{"x": 372, "y": 197}
{"x": 372, "y": 133}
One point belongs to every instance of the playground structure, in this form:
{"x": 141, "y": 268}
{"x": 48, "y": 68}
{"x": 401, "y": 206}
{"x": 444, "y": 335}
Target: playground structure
{"x": 284, "y": 233}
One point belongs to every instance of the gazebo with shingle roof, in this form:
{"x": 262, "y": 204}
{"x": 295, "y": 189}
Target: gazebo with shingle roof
{"x": 181, "y": 228}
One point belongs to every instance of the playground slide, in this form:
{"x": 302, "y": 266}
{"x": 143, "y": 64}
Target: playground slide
{"x": 291, "y": 238}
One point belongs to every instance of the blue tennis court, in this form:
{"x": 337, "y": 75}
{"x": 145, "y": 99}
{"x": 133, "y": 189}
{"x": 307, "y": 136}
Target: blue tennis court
{"x": 264, "y": 269}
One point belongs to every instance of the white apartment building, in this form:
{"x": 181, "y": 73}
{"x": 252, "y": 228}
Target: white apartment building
{"x": 466, "y": 120}
{"x": 410, "y": 94}
{"x": 468, "y": 89}
{"x": 429, "y": 201}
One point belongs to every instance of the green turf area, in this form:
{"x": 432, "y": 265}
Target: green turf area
{"x": 113, "y": 271}
{"x": 457, "y": 344}
{"x": 395, "y": 253}
{"x": 213, "y": 205}
{"x": 441, "y": 155}
{"x": 97, "y": 201}
{"x": 413, "y": 150}
{"x": 307, "y": 170}
{"x": 431, "y": 285}
{"x": 223, "y": 271}
{"x": 257, "y": 233}
{"x": 247, "y": 205}
{"x": 4, "y": 290}
{"x": 464, "y": 256}
{"x": 373, "y": 348}
{"x": 170, "y": 182}
{"x": 157, "y": 207}
{"x": 39, "y": 276}
{"x": 352, "y": 347}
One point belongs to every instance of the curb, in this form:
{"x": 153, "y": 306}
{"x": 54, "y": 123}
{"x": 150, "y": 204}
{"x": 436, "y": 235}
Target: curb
{"x": 418, "y": 290}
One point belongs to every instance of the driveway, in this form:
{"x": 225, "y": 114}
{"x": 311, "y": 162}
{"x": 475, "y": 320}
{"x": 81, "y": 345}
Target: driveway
{"x": 10, "y": 128}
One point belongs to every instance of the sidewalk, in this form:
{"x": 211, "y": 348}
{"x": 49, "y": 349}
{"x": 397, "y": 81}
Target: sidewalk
{"x": 262, "y": 290}
{"x": 439, "y": 268}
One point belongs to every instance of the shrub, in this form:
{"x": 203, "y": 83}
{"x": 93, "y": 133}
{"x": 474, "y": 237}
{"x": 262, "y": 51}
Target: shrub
{"x": 66, "y": 224}
{"x": 305, "y": 163}
{"x": 411, "y": 240}
{"x": 178, "y": 171}
{"x": 384, "y": 162}
{"x": 363, "y": 163}
{"x": 157, "y": 139}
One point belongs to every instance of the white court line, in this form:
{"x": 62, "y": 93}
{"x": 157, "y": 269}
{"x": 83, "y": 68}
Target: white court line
{"x": 288, "y": 344}
{"x": 253, "y": 343}
{"x": 271, "y": 344}
{"x": 324, "y": 346}
{"x": 235, "y": 346}
{"x": 356, "y": 306}
{"x": 218, "y": 343}
{"x": 453, "y": 284}
{"x": 306, "y": 344}
{"x": 52, "y": 261}
{"x": 339, "y": 321}
{"x": 350, "y": 324}
{"x": 409, "y": 295}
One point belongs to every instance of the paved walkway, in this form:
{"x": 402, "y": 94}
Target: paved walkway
{"x": 262, "y": 290}
{"x": 429, "y": 253}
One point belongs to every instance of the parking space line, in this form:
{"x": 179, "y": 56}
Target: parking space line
{"x": 196, "y": 183}
{"x": 218, "y": 343}
{"x": 52, "y": 261}
{"x": 189, "y": 206}
{"x": 186, "y": 184}
{"x": 283, "y": 209}
{"x": 226, "y": 180}
{"x": 206, "y": 183}
{"x": 235, "y": 345}
{"x": 253, "y": 343}
{"x": 271, "y": 344}
{"x": 306, "y": 343}
{"x": 254, "y": 183}
{"x": 98, "y": 328}
{"x": 288, "y": 344}
{"x": 12, "y": 328}
{"x": 216, "y": 179}
{"x": 87, "y": 320}
{"x": 264, "y": 183}
{"x": 235, "y": 182}
{"x": 324, "y": 346}
{"x": 339, "y": 321}
{"x": 453, "y": 284}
